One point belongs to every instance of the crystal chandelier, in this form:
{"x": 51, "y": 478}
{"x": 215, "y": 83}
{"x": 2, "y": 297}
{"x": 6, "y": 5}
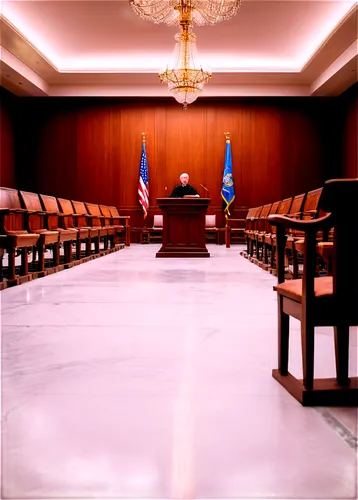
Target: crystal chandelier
{"x": 170, "y": 11}
{"x": 185, "y": 81}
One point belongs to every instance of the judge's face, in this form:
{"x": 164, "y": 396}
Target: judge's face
{"x": 184, "y": 179}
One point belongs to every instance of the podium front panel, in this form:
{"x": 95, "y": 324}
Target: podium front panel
{"x": 183, "y": 227}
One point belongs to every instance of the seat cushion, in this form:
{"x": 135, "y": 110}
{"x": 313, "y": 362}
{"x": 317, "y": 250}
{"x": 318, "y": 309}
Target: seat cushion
{"x": 292, "y": 289}
{"x": 67, "y": 234}
{"x": 325, "y": 248}
{"x": 210, "y": 221}
{"x": 158, "y": 221}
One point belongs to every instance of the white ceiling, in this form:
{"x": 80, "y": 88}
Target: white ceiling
{"x": 84, "y": 47}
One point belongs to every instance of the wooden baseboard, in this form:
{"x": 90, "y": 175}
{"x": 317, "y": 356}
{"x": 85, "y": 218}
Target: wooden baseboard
{"x": 325, "y": 392}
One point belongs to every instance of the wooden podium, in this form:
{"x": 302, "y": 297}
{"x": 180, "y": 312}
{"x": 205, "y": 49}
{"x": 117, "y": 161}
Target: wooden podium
{"x": 183, "y": 227}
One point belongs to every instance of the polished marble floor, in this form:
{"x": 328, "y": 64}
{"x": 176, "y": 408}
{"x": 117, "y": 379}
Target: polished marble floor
{"x": 135, "y": 377}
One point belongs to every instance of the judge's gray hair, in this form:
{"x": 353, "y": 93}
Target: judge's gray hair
{"x": 182, "y": 175}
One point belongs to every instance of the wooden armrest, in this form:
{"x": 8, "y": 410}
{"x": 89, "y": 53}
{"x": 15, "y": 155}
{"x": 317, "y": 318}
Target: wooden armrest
{"x": 308, "y": 226}
{"x": 13, "y": 210}
{"x": 121, "y": 216}
{"x": 309, "y": 212}
{"x": 36, "y": 212}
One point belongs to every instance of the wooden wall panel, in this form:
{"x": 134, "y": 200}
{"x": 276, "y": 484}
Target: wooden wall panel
{"x": 348, "y": 104}
{"x": 94, "y": 149}
{"x": 90, "y": 149}
{"x": 56, "y": 168}
{"x": 7, "y": 140}
{"x": 185, "y": 146}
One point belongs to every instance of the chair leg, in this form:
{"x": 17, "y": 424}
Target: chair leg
{"x": 24, "y": 262}
{"x": 56, "y": 254}
{"x": 78, "y": 249}
{"x": 283, "y": 337}
{"x": 96, "y": 244}
{"x": 68, "y": 251}
{"x": 11, "y": 263}
{"x": 88, "y": 246}
{"x": 272, "y": 256}
{"x": 41, "y": 253}
{"x": 295, "y": 263}
{"x": 307, "y": 340}
{"x": 341, "y": 344}
{"x": 2, "y": 251}
{"x": 265, "y": 253}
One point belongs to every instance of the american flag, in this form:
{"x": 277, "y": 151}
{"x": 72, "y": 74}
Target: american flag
{"x": 143, "y": 187}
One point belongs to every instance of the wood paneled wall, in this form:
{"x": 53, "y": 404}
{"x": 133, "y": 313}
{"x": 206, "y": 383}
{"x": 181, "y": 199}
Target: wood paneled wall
{"x": 348, "y": 106}
{"x": 89, "y": 149}
{"x": 7, "y": 139}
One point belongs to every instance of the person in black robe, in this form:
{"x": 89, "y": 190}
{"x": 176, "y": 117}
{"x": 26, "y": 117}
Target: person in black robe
{"x": 184, "y": 188}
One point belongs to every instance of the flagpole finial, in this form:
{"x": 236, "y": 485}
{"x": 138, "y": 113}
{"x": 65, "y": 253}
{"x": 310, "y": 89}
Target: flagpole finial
{"x": 227, "y": 136}
{"x": 143, "y": 136}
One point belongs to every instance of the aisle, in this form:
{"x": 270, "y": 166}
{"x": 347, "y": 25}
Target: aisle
{"x": 135, "y": 377}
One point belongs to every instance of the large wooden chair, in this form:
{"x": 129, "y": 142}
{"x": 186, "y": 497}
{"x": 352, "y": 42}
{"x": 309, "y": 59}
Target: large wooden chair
{"x": 14, "y": 235}
{"x": 310, "y": 210}
{"x": 56, "y": 222}
{"x": 121, "y": 219}
{"x": 270, "y": 237}
{"x": 259, "y": 228}
{"x": 108, "y": 219}
{"x": 251, "y": 225}
{"x": 38, "y": 224}
{"x": 84, "y": 220}
{"x": 264, "y": 229}
{"x": 156, "y": 232}
{"x": 211, "y": 231}
{"x": 106, "y": 230}
{"x": 70, "y": 221}
{"x": 323, "y": 301}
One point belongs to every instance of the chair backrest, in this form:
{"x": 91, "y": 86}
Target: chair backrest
{"x": 210, "y": 221}
{"x": 51, "y": 206}
{"x": 265, "y": 210}
{"x": 158, "y": 221}
{"x": 297, "y": 204}
{"x": 50, "y": 203}
{"x": 9, "y": 198}
{"x": 65, "y": 206}
{"x": 79, "y": 207}
{"x": 263, "y": 215}
{"x": 105, "y": 211}
{"x": 114, "y": 211}
{"x": 274, "y": 207}
{"x": 312, "y": 204}
{"x": 251, "y": 212}
{"x": 285, "y": 206}
{"x": 93, "y": 209}
{"x": 340, "y": 197}
{"x": 31, "y": 201}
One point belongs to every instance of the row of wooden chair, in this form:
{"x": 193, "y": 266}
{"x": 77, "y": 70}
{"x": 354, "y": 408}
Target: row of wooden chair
{"x": 33, "y": 223}
{"x": 261, "y": 236}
